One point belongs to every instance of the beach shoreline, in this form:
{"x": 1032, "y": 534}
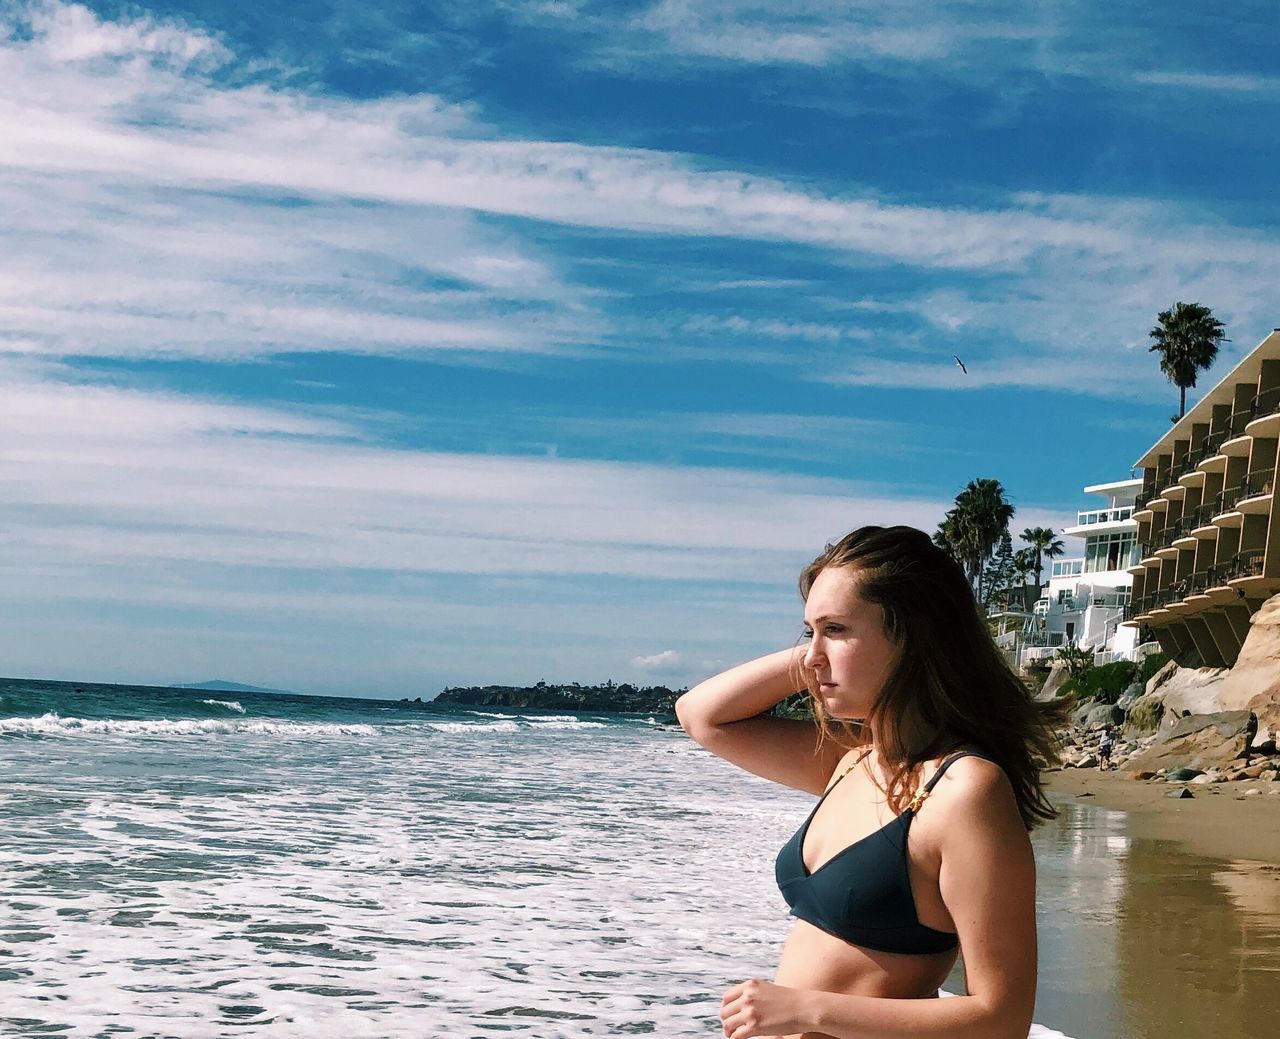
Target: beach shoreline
{"x": 1220, "y": 820}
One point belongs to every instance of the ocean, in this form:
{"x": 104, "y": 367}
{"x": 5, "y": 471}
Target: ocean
{"x": 196, "y": 864}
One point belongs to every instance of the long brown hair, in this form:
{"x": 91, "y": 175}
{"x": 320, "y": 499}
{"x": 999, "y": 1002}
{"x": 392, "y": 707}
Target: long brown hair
{"x": 948, "y": 685}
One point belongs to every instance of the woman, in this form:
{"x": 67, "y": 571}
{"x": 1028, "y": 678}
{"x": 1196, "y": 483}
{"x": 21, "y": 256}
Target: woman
{"x": 919, "y": 727}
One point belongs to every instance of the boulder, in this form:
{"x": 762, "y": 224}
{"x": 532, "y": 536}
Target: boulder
{"x": 1160, "y": 677}
{"x": 1198, "y": 742}
{"x": 1181, "y": 775}
{"x": 1254, "y": 683}
{"x": 1183, "y": 793}
{"x": 1101, "y": 714}
{"x": 1058, "y": 675}
{"x": 1193, "y": 690}
{"x": 1088, "y": 761}
{"x": 1144, "y": 714}
{"x": 1131, "y": 695}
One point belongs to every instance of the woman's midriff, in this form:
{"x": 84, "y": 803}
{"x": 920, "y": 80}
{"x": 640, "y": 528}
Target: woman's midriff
{"x": 813, "y": 959}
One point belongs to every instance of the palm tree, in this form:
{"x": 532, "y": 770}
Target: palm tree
{"x": 1024, "y": 564}
{"x": 1043, "y": 544}
{"x": 971, "y": 530}
{"x": 1187, "y": 337}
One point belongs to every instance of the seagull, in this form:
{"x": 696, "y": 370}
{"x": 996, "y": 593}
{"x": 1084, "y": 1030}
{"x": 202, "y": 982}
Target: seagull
{"x": 961, "y": 364}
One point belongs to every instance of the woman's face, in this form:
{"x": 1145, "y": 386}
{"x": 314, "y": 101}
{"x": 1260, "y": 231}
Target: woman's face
{"x": 849, "y": 653}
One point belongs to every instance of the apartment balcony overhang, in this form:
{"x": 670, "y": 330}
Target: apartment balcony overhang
{"x": 1195, "y": 478}
{"x": 1185, "y": 542}
{"x": 1174, "y": 490}
{"x": 1114, "y": 527}
{"x": 1231, "y": 518}
{"x": 1214, "y": 463}
{"x": 1168, "y": 552}
{"x": 1237, "y": 447}
{"x": 1205, "y": 532}
{"x": 1259, "y": 504}
{"x": 1266, "y": 426}
{"x": 1201, "y": 413}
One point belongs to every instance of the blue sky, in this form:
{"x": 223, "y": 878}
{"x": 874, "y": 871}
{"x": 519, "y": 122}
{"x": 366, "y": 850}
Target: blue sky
{"x": 369, "y": 348}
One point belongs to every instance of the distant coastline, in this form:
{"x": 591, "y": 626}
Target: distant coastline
{"x": 218, "y": 685}
{"x": 623, "y": 699}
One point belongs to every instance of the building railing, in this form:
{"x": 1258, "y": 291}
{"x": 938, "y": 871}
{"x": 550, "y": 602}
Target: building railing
{"x": 1216, "y": 576}
{"x": 1211, "y": 444}
{"x": 1266, "y": 403}
{"x": 1226, "y": 499}
{"x": 1103, "y": 516}
{"x": 1187, "y": 465}
{"x": 1201, "y": 516}
{"x": 1248, "y": 563}
{"x": 1239, "y": 420}
{"x": 1172, "y": 533}
{"x": 1257, "y": 483}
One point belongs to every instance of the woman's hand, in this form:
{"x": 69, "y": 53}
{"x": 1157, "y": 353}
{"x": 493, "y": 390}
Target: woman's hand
{"x": 761, "y": 1008}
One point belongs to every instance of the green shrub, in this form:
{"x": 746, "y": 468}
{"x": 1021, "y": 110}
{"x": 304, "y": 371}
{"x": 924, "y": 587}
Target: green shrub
{"x": 1103, "y": 684}
{"x": 1150, "y": 666}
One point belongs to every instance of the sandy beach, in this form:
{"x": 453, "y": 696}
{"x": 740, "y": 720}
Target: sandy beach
{"x": 1220, "y": 820}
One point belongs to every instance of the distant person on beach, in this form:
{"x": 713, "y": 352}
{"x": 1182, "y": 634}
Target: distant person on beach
{"x": 920, "y": 727}
{"x": 1105, "y": 745}
{"x": 1250, "y": 734}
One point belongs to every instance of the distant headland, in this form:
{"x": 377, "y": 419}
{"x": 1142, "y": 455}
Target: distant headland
{"x": 621, "y": 698}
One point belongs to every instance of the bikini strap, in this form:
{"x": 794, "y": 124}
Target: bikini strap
{"x": 919, "y": 799}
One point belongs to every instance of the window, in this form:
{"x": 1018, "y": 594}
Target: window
{"x": 1109, "y": 552}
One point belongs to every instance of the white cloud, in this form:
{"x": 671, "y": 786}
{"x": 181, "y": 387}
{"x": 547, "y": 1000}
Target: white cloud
{"x": 156, "y": 209}
{"x": 669, "y": 661}
{"x": 1216, "y": 82}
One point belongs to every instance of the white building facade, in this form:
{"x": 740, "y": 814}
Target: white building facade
{"x": 1084, "y": 602}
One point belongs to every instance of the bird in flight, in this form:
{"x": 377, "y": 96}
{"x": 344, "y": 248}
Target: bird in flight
{"x": 961, "y": 364}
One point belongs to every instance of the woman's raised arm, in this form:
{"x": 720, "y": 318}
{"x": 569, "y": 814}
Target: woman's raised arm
{"x": 726, "y": 715}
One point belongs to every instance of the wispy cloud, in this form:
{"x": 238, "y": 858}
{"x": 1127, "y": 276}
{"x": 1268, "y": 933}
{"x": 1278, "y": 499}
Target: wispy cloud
{"x": 157, "y": 199}
{"x": 1215, "y": 82}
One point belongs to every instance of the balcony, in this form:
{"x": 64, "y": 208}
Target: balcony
{"x": 1217, "y": 575}
{"x": 1234, "y": 444}
{"x": 1210, "y": 446}
{"x": 1200, "y": 518}
{"x": 1265, "y": 405}
{"x": 1257, "y": 484}
{"x": 1176, "y": 531}
{"x": 1226, "y": 500}
{"x": 1247, "y": 564}
{"x": 1088, "y": 519}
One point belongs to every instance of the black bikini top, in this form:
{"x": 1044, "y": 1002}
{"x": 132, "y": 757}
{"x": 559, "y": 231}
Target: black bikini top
{"x": 862, "y": 894}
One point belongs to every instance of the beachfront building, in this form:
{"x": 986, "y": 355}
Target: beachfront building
{"x": 1085, "y": 601}
{"x": 1207, "y": 520}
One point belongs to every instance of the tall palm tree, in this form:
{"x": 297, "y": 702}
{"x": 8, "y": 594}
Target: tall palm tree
{"x": 1044, "y": 543}
{"x": 1024, "y": 565}
{"x": 1186, "y": 337}
{"x": 971, "y": 530}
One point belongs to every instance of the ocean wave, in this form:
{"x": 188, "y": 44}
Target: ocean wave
{"x": 230, "y": 705}
{"x": 564, "y": 723}
{"x": 486, "y": 714}
{"x": 54, "y": 725}
{"x": 465, "y": 727}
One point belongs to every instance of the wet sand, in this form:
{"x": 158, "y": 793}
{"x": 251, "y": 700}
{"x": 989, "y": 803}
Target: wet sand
{"x": 1219, "y": 820}
{"x": 1159, "y": 918}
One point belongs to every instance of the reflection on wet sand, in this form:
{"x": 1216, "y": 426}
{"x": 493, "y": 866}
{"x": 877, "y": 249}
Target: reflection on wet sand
{"x": 1140, "y": 939}
{"x": 1199, "y": 944}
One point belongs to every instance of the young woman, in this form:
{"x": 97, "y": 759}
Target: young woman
{"x": 920, "y": 728}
